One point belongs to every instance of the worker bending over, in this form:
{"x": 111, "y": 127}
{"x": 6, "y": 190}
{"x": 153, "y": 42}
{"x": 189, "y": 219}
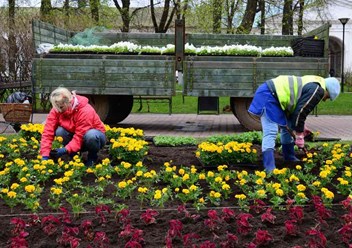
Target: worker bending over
{"x": 285, "y": 102}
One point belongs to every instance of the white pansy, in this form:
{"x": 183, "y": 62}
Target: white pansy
{"x": 129, "y": 47}
{"x": 278, "y": 51}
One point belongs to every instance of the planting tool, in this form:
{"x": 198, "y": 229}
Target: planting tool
{"x": 294, "y": 137}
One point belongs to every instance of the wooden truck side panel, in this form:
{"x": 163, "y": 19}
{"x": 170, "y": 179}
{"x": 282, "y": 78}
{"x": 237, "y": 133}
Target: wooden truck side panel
{"x": 236, "y": 76}
{"x": 106, "y": 74}
{"x": 240, "y": 76}
{"x": 46, "y": 33}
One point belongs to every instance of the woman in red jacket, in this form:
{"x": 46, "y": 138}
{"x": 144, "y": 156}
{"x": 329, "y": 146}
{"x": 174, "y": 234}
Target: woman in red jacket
{"x": 75, "y": 120}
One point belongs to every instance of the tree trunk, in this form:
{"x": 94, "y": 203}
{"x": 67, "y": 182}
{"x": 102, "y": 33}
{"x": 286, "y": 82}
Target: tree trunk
{"x": 165, "y": 20}
{"x": 12, "y": 41}
{"x": 66, "y": 9}
{"x": 231, "y": 6}
{"x": 125, "y": 14}
{"x": 217, "y": 14}
{"x": 287, "y": 18}
{"x": 300, "y": 17}
{"x": 248, "y": 17}
{"x": 262, "y": 16}
{"x": 94, "y": 10}
{"x": 45, "y": 8}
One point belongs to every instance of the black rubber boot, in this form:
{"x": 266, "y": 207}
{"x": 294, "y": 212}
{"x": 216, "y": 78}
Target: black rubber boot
{"x": 288, "y": 151}
{"x": 269, "y": 160}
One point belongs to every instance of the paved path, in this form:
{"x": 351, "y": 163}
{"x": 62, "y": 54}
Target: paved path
{"x": 339, "y": 127}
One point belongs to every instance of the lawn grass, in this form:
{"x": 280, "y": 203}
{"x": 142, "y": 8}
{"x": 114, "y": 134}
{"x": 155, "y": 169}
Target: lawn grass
{"x": 188, "y": 105}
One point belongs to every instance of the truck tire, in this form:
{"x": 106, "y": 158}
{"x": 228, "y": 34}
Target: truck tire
{"x": 111, "y": 109}
{"x": 239, "y": 107}
{"x": 100, "y": 104}
{"x": 119, "y": 108}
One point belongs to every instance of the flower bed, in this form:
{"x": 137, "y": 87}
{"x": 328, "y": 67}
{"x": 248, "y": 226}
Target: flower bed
{"x": 109, "y": 205}
{"x": 131, "y": 48}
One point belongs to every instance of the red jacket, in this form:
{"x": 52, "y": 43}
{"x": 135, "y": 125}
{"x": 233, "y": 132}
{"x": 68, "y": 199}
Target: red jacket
{"x": 77, "y": 121}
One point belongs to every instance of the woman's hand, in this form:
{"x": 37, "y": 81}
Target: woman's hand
{"x": 57, "y": 153}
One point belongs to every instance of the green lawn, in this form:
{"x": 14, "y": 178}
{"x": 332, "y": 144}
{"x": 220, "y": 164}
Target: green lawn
{"x": 188, "y": 105}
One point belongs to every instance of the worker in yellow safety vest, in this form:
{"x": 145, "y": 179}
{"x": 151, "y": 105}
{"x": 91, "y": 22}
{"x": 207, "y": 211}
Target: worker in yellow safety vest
{"x": 284, "y": 102}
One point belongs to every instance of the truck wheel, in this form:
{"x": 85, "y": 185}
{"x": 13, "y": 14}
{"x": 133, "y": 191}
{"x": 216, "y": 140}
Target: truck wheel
{"x": 119, "y": 108}
{"x": 111, "y": 109}
{"x": 100, "y": 104}
{"x": 240, "y": 106}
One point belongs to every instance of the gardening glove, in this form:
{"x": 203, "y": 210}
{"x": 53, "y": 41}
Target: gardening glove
{"x": 45, "y": 157}
{"x": 57, "y": 153}
{"x": 299, "y": 141}
{"x": 306, "y": 131}
{"x": 308, "y": 135}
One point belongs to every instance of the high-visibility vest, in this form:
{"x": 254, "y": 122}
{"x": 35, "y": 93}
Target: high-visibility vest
{"x": 289, "y": 89}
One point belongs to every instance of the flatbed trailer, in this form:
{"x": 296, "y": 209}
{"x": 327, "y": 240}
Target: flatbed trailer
{"x": 113, "y": 81}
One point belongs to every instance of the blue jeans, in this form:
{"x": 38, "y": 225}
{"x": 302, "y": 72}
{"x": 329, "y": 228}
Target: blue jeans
{"x": 93, "y": 139}
{"x": 270, "y": 131}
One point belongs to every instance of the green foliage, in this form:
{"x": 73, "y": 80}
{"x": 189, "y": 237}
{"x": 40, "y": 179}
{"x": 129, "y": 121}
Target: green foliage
{"x": 188, "y": 105}
{"x": 174, "y": 141}
{"x": 341, "y": 106}
{"x": 254, "y": 137}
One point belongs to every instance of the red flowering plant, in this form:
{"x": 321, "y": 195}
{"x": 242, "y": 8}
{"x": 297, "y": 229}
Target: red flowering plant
{"x": 50, "y": 224}
{"x": 123, "y": 216}
{"x": 296, "y": 213}
{"x": 322, "y": 212}
{"x": 346, "y": 230}
{"x": 231, "y": 241}
{"x": 190, "y": 239}
{"x": 227, "y": 214}
{"x": 182, "y": 209}
{"x": 346, "y": 233}
{"x": 175, "y": 230}
{"x": 101, "y": 240}
{"x": 291, "y": 227}
{"x": 18, "y": 233}
{"x": 268, "y": 216}
{"x": 262, "y": 237}
{"x": 243, "y": 225}
{"x": 129, "y": 233}
{"x": 258, "y": 206}
{"x": 148, "y": 216}
{"x": 87, "y": 229}
{"x": 69, "y": 237}
{"x": 99, "y": 210}
{"x": 19, "y": 240}
{"x": 213, "y": 220}
{"x": 317, "y": 238}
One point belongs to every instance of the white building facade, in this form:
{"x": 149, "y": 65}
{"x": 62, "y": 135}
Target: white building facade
{"x": 315, "y": 17}
{"x": 335, "y": 10}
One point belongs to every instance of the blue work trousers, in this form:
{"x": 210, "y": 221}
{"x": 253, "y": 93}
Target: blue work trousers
{"x": 93, "y": 140}
{"x": 270, "y": 131}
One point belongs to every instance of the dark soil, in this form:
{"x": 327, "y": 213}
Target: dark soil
{"x": 194, "y": 233}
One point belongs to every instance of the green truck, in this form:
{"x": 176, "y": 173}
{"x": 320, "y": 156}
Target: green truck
{"x": 113, "y": 81}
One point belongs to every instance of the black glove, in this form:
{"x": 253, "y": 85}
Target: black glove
{"x": 57, "y": 153}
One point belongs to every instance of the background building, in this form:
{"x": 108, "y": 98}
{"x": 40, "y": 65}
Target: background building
{"x": 331, "y": 13}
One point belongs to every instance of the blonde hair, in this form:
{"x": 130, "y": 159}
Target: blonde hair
{"x": 61, "y": 97}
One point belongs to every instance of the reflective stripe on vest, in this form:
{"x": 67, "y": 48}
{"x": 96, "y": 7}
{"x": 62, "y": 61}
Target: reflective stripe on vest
{"x": 289, "y": 89}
